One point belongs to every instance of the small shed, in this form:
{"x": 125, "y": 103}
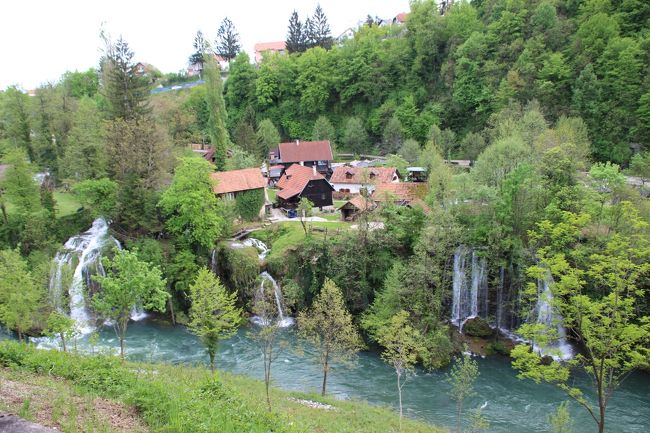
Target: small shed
{"x": 416, "y": 174}
{"x": 356, "y": 206}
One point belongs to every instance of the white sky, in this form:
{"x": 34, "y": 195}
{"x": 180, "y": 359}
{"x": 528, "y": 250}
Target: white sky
{"x": 40, "y": 40}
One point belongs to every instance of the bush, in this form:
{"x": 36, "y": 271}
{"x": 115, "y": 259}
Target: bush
{"x": 238, "y": 268}
{"x": 477, "y": 327}
{"x": 249, "y": 203}
{"x": 497, "y": 348}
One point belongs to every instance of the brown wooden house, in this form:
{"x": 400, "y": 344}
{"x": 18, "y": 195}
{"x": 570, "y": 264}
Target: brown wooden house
{"x": 298, "y": 182}
{"x": 308, "y": 153}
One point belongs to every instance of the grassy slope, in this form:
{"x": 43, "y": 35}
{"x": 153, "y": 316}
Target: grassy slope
{"x": 66, "y": 204}
{"x": 183, "y": 399}
{"x": 281, "y": 236}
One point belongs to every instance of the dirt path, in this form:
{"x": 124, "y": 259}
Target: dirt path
{"x": 55, "y": 403}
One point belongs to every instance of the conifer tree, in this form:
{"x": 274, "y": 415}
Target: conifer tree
{"x": 201, "y": 47}
{"x": 321, "y": 33}
{"x": 213, "y": 315}
{"x": 227, "y": 43}
{"x": 295, "y": 35}
{"x": 217, "y": 113}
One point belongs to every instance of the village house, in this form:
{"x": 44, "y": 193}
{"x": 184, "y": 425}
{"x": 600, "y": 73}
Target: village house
{"x": 409, "y": 194}
{"x": 303, "y": 182}
{"x": 196, "y": 69}
{"x": 228, "y": 184}
{"x": 352, "y": 180}
{"x": 279, "y": 47}
{"x": 316, "y": 154}
{"x": 416, "y": 174}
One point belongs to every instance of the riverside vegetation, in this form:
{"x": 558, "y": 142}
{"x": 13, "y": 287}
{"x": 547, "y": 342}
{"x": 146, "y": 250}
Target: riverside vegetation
{"x": 544, "y": 239}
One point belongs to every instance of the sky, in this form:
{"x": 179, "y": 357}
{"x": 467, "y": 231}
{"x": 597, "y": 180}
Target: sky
{"x": 42, "y": 39}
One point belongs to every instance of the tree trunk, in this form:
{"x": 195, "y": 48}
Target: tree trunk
{"x": 20, "y": 335}
{"x": 122, "y": 347}
{"x": 211, "y": 355}
{"x": 399, "y": 393}
{"x": 459, "y": 407}
{"x": 4, "y": 213}
{"x": 325, "y": 368}
{"x": 63, "y": 342}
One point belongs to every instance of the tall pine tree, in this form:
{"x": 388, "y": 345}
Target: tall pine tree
{"x": 321, "y": 33}
{"x": 295, "y": 35}
{"x": 217, "y": 113}
{"x": 227, "y": 43}
{"x": 201, "y": 47}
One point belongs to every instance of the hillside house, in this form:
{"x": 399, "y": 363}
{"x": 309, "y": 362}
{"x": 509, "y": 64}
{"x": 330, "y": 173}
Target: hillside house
{"x": 409, "y": 194}
{"x": 299, "y": 181}
{"x": 279, "y": 47}
{"x": 316, "y": 154}
{"x": 352, "y": 180}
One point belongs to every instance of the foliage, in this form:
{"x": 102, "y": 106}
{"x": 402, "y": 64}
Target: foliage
{"x": 19, "y": 185}
{"x": 60, "y": 326}
{"x": 213, "y": 315}
{"x": 328, "y": 326}
{"x": 477, "y": 327}
{"x": 267, "y": 137}
{"x": 190, "y": 205}
{"x": 20, "y": 296}
{"x": 355, "y": 137}
{"x": 402, "y": 346}
{"x": 129, "y": 283}
{"x": 249, "y": 203}
{"x": 100, "y": 195}
{"x": 560, "y": 421}
{"x": 84, "y": 156}
{"x": 462, "y": 376}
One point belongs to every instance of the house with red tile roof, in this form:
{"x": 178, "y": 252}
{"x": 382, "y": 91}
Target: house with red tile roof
{"x": 299, "y": 182}
{"x": 308, "y": 153}
{"x": 356, "y": 206}
{"x": 265, "y": 47}
{"x": 353, "y": 179}
{"x": 409, "y": 194}
{"x": 227, "y": 184}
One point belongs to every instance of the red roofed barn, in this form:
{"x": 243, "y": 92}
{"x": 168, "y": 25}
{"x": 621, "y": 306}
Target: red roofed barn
{"x": 263, "y": 47}
{"x": 298, "y": 182}
{"x": 229, "y": 183}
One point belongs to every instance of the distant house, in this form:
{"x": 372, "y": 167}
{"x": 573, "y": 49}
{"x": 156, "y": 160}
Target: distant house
{"x": 356, "y": 206}
{"x": 303, "y": 182}
{"x": 353, "y": 179}
{"x": 230, "y": 183}
{"x": 462, "y": 163}
{"x": 195, "y": 70}
{"x": 402, "y": 194}
{"x": 264, "y": 47}
{"x": 308, "y": 153}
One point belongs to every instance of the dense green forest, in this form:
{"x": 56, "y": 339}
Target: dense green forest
{"x": 549, "y": 98}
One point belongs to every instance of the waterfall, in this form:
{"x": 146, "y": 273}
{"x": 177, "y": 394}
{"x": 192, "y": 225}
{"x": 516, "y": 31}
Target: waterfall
{"x": 283, "y": 321}
{"x": 263, "y": 251}
{"x": 499, "y": 315}
{"x": 87, "y": 248}
{"x": 470, "y": 291}
{"x": 546, "y": 315}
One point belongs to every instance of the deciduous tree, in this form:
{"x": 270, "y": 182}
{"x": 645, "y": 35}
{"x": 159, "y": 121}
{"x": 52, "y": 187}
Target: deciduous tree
{"x": 129, "y": 283}
{"x": 328, "y": 326}
{"x": 20, "y": 297}
{"x": 462, "y": 376}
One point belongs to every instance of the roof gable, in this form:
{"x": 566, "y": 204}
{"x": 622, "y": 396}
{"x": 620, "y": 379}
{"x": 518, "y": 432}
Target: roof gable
{"x": 297, "y": 151}
{"x": 238, "y": 180}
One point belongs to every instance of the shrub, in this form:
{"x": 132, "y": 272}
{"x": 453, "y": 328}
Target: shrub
{"x": 477, "y": 327}
{"x": 249, "y": 203}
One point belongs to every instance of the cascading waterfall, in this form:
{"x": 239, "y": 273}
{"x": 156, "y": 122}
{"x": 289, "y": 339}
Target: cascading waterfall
{"x": 470, "y": 291}
{"x": 87, "y": 248}
{"x": 546, "y": 315}
{"x": 499, "y": 315}
{"x": 263, "y": 251}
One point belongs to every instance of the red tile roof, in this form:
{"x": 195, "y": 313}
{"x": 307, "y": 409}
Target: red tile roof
{"x": 401, "y": 17}
{"x": 274, "y": 46}
{"x": 375, "y": 175}
{"x": 295, "y": 179}
{"x": 297, "y": 151}
{"x": 403, "y": 191}
{"x": 238, "y": 180}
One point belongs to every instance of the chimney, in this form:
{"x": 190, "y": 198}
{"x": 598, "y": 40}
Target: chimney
{"x": 313, "y": 167}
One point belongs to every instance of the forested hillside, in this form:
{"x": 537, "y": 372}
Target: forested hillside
{"x": 576, "y": 58}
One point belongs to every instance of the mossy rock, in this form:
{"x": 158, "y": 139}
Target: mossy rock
{"x": 477, "y": 327}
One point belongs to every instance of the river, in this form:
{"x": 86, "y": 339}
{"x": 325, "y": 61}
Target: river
{"x": 513, "y": 405}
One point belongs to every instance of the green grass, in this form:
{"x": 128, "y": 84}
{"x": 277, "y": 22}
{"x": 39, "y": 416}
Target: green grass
{"x": 66, "y": 204}
{"x": 282, "y": 236}
{"x": 272, "y": 193}
{"x": 184, "y": 399}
